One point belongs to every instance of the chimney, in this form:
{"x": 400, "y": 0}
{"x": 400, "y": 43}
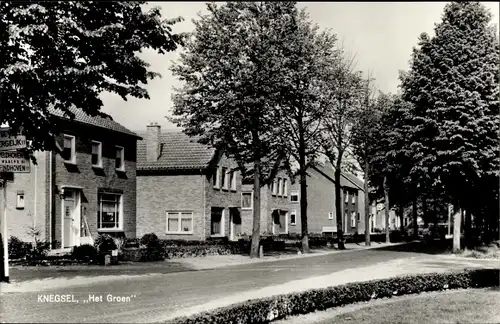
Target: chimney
{"x": 153, "y": 142}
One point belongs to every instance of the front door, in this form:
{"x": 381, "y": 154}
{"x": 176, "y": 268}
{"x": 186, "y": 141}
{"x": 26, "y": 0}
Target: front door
{"x": 279, "y": 222}
{"x": 71, "y": 219}
{"x": 235, "y": 221}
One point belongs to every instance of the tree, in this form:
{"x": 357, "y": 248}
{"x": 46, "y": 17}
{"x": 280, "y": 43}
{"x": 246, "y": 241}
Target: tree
{"x": 234, "y": 71}
{"x": 343, "y": 96}
{"x": 309, "y": 54}
{"x": 365, "y": 136}
{"x": 64, "y": 53}
{"x": 453, "y": 86}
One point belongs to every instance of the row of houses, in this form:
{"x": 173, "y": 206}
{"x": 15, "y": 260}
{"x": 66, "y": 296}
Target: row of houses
{"x": 103, "y": 178}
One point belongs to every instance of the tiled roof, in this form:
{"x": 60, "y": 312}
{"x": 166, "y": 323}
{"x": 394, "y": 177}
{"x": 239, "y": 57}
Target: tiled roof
{"x": 178, "y": 152}
{"x": 82, "y": 117}
{"x": 346, "y": 179}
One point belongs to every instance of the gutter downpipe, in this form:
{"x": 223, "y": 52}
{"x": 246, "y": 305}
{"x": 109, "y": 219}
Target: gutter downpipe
{"x": 203, "y": 205}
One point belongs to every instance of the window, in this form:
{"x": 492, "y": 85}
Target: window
{"x": 96, "y": 154}
{"x": 246, "y": 200}
{"x": 346, "y": 197}
{"x": 294, "y": 196}
{"x": 216, "y": 179}
{"x": 353, "y": 219}
{"x": 293, "y": 217}
{"x": 20, "y": 200}
{"x": 68, "y": 153}
{"x": 285, "y": 189}
{"x": 120, "y": 157}
{"x": 109, "y": 212}
{"x": 274, "y": 187}
{"x": 354, "y": 196}
{"x": 359, "y": 217}
{"x": 225, "y": 178}
{"x": 280, "y": 186}
{"x": 217, "y": 221}
{"x": 179, "y": 222}
{"x": 330, "y": 215}
{"x": 233, "y": 180}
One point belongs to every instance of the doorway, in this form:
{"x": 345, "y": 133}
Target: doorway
{"x": 71, "y": 218}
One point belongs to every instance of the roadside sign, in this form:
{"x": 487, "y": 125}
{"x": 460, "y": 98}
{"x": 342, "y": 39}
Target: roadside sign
{"x": 10, "y": 143}
{"x": 14, "y": 162}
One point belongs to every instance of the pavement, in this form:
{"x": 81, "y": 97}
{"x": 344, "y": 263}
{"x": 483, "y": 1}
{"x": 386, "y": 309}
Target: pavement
{"x": 161, "y": 296}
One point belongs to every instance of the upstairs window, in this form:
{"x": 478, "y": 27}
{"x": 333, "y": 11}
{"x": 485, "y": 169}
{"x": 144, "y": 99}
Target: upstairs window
{"x": 119, "y": 159}
{"x": 233, "y": 180}
{"x": 274, "y": 188}
{"x": 294, "y": 196}
{"x": 216, "y": 178}
{"x": 69, "y": 154}
{"x": 285, "y": 188}
{"x": 280, "y": 186}
{"x": 96, "y": 154}
{"x": 225, "y": 178}
{"x": 246, "y": 200}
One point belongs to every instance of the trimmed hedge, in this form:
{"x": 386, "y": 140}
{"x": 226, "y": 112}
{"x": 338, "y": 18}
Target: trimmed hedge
{"x": 266, "y": 310}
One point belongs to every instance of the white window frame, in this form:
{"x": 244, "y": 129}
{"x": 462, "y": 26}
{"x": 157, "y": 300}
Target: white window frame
{"x": 280, "y": 186}
{"x": 294, "y": 213}
{"x": 119, "y": 210}
{"x": 99, "y": 154}
{"x": 72, "y": 158}
{"x": 20, "y": 202}
{"x": 353, "y": 200}
{"x": 233, "y": 180}
{"x": 251, "y": 200}
{"x": 179, "y": 222}
{"x": 225, "y": 178}
{"x": 346, "y": 197}
{"x": 222, "y": 224}
{"x": 217, "y": 178}
{"x": 274, "y": 187}
{"x": 294, "y": 193}
{"x": 122, "y": 167}
{"x": 353, "y": 219}
{"x": 285, "y": 187}
{"x": 330, "y": 215}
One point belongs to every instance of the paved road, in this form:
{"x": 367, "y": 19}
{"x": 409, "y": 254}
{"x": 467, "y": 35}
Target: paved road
{"x": 166, "y": 293}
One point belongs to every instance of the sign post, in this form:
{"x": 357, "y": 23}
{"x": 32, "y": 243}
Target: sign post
{"x": 11, "y": 160}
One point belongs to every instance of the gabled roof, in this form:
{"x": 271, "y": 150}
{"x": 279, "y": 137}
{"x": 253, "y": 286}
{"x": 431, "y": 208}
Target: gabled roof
{"x": 178, "y": 151}
{"x": 346, "y": 179}
{"x": 98, "y": 121}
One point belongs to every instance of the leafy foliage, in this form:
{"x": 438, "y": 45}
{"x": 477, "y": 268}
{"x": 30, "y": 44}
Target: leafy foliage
{"x": 62, "y": 54}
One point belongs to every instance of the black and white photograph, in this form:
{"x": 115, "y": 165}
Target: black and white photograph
{"x": 249, "y": 162}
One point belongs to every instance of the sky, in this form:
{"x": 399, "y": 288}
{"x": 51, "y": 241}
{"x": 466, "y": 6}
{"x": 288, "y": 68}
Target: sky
{"x": 380, "y": 34}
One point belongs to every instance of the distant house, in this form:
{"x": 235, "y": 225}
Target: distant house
{"x": 377, "y": 218}
{"x": 186, "y": 190}
{"x": 321, "y": 214}
{"x": 83, "y": 187}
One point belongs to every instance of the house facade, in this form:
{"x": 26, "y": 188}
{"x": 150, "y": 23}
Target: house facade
{"x": 83, "y": 187}
{"x": 321, "y": 214}
{"x": 188, "y": 191}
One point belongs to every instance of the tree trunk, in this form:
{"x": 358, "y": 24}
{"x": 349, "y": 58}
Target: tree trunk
{"x": 401, "y": 212}
{"x": 387, "y": 215}
{"x": 415, "y": 218}
{"x": 338, "y": 210}
{"x": 254, "y": 251}
{"x": 425, "y": 212}
{"x": 457, "y": 220}
{"x": 467, "y": 228}
{"x": 367, "y": 204}
{"x": 303, "y": 199}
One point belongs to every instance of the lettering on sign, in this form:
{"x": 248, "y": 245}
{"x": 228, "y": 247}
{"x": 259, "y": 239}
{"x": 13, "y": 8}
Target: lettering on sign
{"x": 14, "y": 162}
{"x": 9, "y": 142}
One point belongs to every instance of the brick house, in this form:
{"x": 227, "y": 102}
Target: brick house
{"x": 83, "y": 187}
{"x": 279, "y": 206}
{"x": 186, "y": 190}
{"x": 321, "y": 201}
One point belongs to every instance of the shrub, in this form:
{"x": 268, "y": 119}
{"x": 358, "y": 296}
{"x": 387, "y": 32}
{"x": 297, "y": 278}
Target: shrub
{"x": 38, "y": 251}
{"x": 17, "y": 248}
{"x": 85, "y": 252}
{"x": 105, "y": 243}
{"x": 150, "y": 240}
{"x": 132, "y": 243}
{"x": 266, "y": 310}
